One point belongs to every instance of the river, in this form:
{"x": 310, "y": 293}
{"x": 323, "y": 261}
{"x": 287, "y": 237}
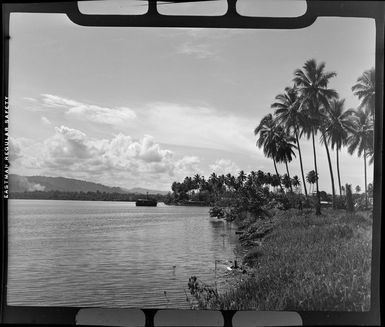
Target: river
{"x": 112, "y": 254}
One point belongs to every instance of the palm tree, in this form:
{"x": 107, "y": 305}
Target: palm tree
{"x": 268, "y": 180}
{"x": 197, "y": 181}
{"x": 261, "y": 177}
{"x": 286, "y": 181}
{"x": 284, "y": 152}
{"x": 230, "y": 182}
{"x": 365, "y": 90}
{"x": 370, "y": 190}
{"x": 254, "y": 178}
{"x": 267, "y": 133}
{"x": 312, "y": 83}
{"x": 312, "y": 177}
{"x": 295, "y": 182}
{"x": 241, "y": 178}
{"x": 370, "y": 153}
{"x": 339, "y": 124}
{"x": 288, "y": 114}
{"x": 276, "y": 181}
{"x": 361, "y": 140}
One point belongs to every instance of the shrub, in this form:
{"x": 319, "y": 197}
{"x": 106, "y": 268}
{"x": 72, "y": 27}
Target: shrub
{"x": 340, "y": 202}
{"x": 287, "y": 201}
{"x": 360, "y": 203}
{"x": 217, "y": 212}
{"x": 203, "y": 293}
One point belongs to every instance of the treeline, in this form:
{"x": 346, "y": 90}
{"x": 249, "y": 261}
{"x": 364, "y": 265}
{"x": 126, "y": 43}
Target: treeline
{"x": 83, "y": 196}
{"x": 236, "y": 197}
{"x": 223, "y": 187}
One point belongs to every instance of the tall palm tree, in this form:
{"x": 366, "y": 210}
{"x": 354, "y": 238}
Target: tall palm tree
{"x": 288, "y": 114}
{"x": 370, "y": 154}
{"x": 339, "y": 124}
{"x": 284, "y": 149}
{"x": 365, "y": 90}
{"x": 361, "y": 140}
{"x": 267, "y": 133}
{"x": 312, "y": 82}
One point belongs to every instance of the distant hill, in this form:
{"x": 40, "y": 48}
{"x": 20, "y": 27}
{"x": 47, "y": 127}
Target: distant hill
{"x": 19, "y": 183}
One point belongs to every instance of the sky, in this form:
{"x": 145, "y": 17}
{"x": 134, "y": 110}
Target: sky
{"x": 143, "y": 107}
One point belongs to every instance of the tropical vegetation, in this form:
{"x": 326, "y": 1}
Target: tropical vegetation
{"x": 274, "y": 212}
{"x": 310, "y": 107}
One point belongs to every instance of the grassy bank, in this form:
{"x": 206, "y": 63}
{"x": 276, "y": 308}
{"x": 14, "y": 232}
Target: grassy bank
{"x": 305, "y": 262}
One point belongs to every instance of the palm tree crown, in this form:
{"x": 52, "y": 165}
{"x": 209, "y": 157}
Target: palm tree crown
{"x": 365, "y": 90}
{"x": 312, "y": 82}
{"x": 339, "y": 124}
{"x": 362, "y": 138}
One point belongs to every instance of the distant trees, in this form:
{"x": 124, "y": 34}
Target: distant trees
{"x": 83, "y": 196}
{"x": 225, "y": 188}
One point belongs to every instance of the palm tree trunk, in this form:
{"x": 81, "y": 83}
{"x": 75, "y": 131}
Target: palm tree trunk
{"x": 276, "y": 171}
{"x": 331, "y": 171}
{"x": 300, "y": 161}
{"x": 366, "y": 190}
{"x": 338, "y": 172}
{"x": 288, "y": 174}
{"x": 318, "y": 204}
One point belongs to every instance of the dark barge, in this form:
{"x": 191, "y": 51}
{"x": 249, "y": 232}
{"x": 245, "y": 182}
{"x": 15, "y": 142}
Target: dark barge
{"x": 146, "y": 202}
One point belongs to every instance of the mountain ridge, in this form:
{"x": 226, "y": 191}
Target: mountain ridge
{"x": 18, "y": 183}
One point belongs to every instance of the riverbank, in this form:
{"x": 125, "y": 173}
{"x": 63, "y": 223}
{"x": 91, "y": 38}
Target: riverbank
{"x": 298, "y": 261}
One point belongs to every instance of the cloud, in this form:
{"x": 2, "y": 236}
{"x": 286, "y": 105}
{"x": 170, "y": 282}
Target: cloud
{"x": 14, "y": 149}
{"x": 121, "y": 160}
{"x": 89, "y": 112}
{"x": 172, "y": 123}
{"x": 198, "y": 126}
{"x": 188, "y": 165}
{"x": 21, "y": 184}
{"x": 46, "y": 121}
{"x": 224, "y": 166}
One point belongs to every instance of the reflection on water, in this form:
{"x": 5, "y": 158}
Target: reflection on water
{"x": 111, "y": 254}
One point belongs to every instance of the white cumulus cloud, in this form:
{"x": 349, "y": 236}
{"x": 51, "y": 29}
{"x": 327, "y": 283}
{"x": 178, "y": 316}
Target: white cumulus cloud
{"x": 121, "y": 160}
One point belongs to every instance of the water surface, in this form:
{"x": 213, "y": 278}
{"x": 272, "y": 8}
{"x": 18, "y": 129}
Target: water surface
{"x": 111, "y": 254}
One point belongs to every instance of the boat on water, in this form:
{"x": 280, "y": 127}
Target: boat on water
{"x": 146, "y": 202}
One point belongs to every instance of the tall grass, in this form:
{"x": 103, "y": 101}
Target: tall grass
{"x": 308, "y": 262}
